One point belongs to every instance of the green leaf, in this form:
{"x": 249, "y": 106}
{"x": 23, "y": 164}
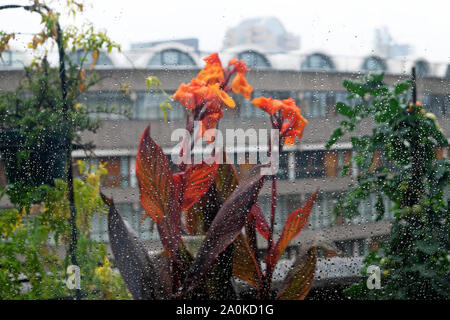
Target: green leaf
{"x": 337, "y": 133}
{"x": 401, "y": 87}
{"x": 345, "y": 110}
{"x": 355, "y": 87}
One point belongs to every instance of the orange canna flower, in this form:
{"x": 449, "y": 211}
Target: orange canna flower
{"x": 213, "y": 58}
{"x": 223, "y": 96}
{"x": 268, "y": 105}
{"x": 185, "y": 96}
{"x": 239, "y": 65}
{"x": 296, "y": 125}
{"x": 213, "y": 71}
{"x": 210, "y": 122}
{"x": 208, "y": 92}
{"x": 241, "y": 86}
{"x": 193, "y": 94}
{"x": 291, "y": 120}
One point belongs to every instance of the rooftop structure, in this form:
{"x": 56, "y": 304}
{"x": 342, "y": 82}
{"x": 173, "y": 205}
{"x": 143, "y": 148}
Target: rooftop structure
{"x": 266, "y": 32}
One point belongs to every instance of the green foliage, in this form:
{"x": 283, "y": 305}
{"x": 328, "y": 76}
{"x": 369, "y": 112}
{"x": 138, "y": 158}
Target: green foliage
{"x": 33, "y": 245}
{"x": 47, "y": 101}
{"x": 153, "y": 81}
{"x": 405, "y": 137}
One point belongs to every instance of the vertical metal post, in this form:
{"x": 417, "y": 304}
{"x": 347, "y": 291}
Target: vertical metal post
{"x": 69, "y": 177}
{"x": 414, "y": 85}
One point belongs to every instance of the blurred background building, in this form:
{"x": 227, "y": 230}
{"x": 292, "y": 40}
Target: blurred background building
{"x": 266, "y": 32}
{"x": 386, "y": 47}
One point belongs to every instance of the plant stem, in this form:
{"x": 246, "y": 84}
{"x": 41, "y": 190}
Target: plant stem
{"x": 267, "y": 278}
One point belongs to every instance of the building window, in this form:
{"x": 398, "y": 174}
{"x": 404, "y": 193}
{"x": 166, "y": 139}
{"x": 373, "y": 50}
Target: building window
{"x": 125, "y": 171}
{"x": 422, "y": 68}
{"x": 283, "y": 166}
{"x": 133, "y": 178}
{"x": 317, "y": 61}
{"x": 322, "y": 211}
{"x": 354, "y": 247}
{"x": 286, "y": 203}
{"x": 254, "y": 60}
{"x": 437, "y": 103}
{"x": 309, "y": 164}
{"x": 120, "y": 170}
{"x": 114, "y": 177}
{"x": 171, "y": 58}
{"x": 317, "y": 104}
{"x": 99, "y": 100}
{"x": 147, "y": 107}
{"x": 374, "y": 64}
{"x": 334, "y": 162}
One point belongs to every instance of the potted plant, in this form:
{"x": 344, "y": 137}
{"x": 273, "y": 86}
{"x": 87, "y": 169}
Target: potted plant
{"x": 206, "y": 199}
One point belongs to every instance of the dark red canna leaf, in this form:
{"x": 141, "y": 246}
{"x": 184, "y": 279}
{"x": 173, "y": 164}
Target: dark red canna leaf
{"x": 224, "y": 229}
{"x": 154, "y": 177}
{"x": 199, "y": 178}
{"x": 226, "y": 178}
{"x": 300, "y": 278}
{"x": 245, "y": 265}
{"x": 200, "y": 215}
{"x": 260, "y": 221}
{"x": 295, "y": 223}
{"x": 132, "y": 259}
{"x": 160, "y": 195}
{"x": 227, "y": 181}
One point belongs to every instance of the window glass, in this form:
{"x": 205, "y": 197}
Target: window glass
{"x": 147, "y": 107}
{"x": 99, "y": 101}
{"x": 438, "y": 104}
{"x": 317, "y": 61}
{"x": 316, "y": 103}
{"x": 375, "y": 64}
{"x": 254, "y": 59}
{"x": 171, "y": 58}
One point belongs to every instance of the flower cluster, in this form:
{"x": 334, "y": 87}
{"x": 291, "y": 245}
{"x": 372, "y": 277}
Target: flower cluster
{"x": 208, "y": 92}
{"x": 285, "y": 115}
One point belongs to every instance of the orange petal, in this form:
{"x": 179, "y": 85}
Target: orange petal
{"x": 266, "y": 104}
{"x": 213, "y": 58}
{"x": 223, "y": 96}
{"x": 185, "y": 96}
{"x": 240, "y": 65}
{"x": 212, "y": 74}
{"x": 241, "y": 86}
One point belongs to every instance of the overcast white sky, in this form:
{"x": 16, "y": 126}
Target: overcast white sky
{"x": 343, "y": 27}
